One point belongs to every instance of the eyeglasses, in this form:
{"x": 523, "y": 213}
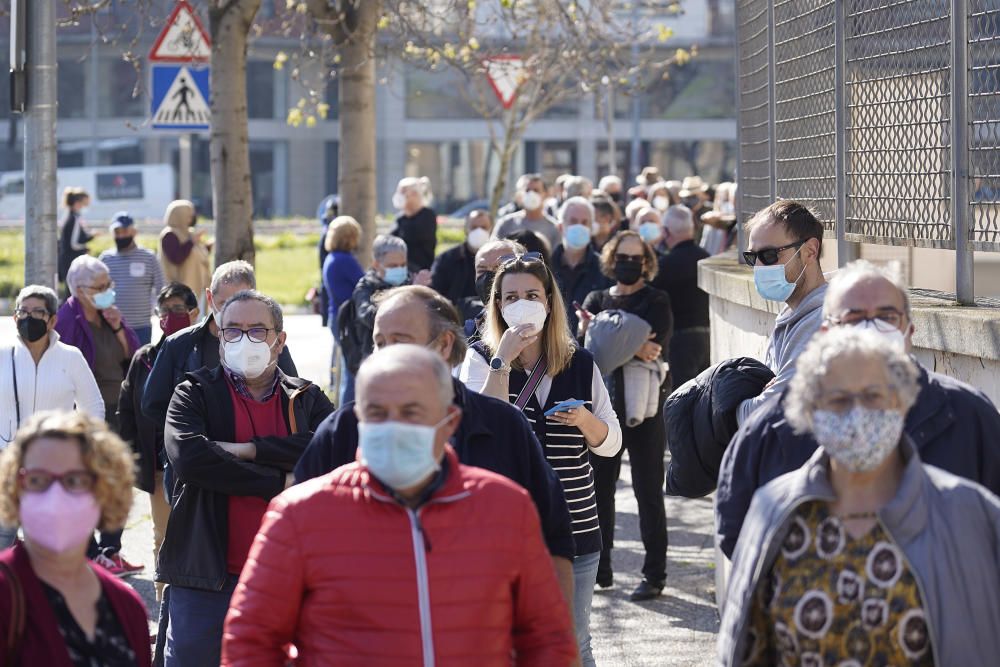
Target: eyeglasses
{"x": 255, "y": 334}
{"x": 527, "y": 258}
{"x": 100, "y": 288}
{"x": 768, "y": 256}
{"x": 884, "y": 322}
{"x": 36, "y": 313}
{"x": 39, "y": 481}
{"x": 176, "y": 310}
{"x": 872, "y": 398}
{"x": 622, "y": 257}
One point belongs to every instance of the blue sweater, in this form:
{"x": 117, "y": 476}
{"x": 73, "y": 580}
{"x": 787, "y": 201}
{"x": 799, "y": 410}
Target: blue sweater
{"x": 341, "y": 273}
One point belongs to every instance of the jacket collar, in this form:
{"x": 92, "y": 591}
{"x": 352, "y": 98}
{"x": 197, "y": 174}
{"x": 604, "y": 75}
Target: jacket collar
{"x": 217, "y": 375}
{"x": 473, "y": 421}
{"x": 931, "y": 414}
{"x": 450, "y": 484}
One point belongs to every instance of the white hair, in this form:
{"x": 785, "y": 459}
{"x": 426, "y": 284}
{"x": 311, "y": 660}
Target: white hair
{"x": 236, "y": 272}
{"x": 678, "y": 221}
{"x": 84, "y": 269}
{"x": 421, "y": 184}
{"x": 642, "y": 213}
{"x": 576, "y": 201}
{"x": 42, "y": 292}
{"x": 577, "y": 186}
{"x": 512, "y": 247}
{"x": 858, "y": 271}
{"x": 609, "y": 180}
{"x": 634, "y": 207}
{"x": 825, "y": 350}
{"x": 385, "y": 244}
{"x": 407, "y": 358}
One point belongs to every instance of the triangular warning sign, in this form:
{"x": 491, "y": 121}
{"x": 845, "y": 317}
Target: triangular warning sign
{"x": 184, "y": 104}
{"x": 183, "y": 38}
{"x": 505, "y": 73}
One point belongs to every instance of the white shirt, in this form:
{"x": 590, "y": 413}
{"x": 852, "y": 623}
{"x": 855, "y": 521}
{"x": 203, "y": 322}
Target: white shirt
{"x": 476, "y": 370}
{"x": 62, "y": 380}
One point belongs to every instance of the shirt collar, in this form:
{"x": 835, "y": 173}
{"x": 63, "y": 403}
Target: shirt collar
{"x": 239, "y": 383}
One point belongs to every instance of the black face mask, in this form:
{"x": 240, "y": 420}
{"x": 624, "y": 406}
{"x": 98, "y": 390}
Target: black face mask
{"x": 484, "y": 285}
{"x": 628, "y": 272}
{"x": 124, "y": 243}
{"x": 31, "y": 329}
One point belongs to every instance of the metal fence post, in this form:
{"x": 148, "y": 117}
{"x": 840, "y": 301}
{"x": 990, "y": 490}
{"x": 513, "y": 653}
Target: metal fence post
{"x": 772, "y": 103}
{"x": 847, "y": 251}
{"x": 964, "y": 274}
{"x": 740, "y": 187}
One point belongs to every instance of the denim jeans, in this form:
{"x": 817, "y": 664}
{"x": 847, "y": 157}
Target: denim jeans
{"x": 194, "y": 625}
{"x": 584, "y": 579}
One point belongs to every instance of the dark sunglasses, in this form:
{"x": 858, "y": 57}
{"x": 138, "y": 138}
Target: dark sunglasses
{"x": 768, "y": 256}
{"x": 621, "y": 257}
{"x": 527, "y": 258}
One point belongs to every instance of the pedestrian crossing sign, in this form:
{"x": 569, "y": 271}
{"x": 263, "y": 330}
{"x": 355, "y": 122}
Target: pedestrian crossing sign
{"x": 180, "y": 98}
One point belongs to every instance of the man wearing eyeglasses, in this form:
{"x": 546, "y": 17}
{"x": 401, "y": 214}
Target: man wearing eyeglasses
{"x": 233, "y": 436}
{"x": 784, "y": 246}
{"x": 952, "y": 424}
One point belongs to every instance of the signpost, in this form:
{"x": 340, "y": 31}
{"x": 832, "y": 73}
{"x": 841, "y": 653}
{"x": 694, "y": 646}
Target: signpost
{"x": 505, "y": 74}
{"x": 180, "y": 82}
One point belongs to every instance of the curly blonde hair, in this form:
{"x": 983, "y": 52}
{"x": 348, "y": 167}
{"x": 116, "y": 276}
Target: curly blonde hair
{"x": 103, "y": 453}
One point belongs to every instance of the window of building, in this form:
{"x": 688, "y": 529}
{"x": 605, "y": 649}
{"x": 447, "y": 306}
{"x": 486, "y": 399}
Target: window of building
{"x": 117, "y": 80}
{"x": 269, "y": 177}
{"x": 261, "y": 89}
{"x": 441, "y": 94}
{"x": 714, "y": 161}
{"x": 332, "y": 98}
{"x": 550, "y": 158}
{"x": 71, "y": 153}
{"x": 460, "y": 171}
{"x": 201, "y": 172}
{"x": 332, "y": 160}
{"x": 71, "y": 87}
{"x": 120, "y": 151}
{"x": 622, "y": 149}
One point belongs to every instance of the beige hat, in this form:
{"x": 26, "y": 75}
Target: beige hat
{"x": 692, "y": 185}
{"x": 648, "y": 176}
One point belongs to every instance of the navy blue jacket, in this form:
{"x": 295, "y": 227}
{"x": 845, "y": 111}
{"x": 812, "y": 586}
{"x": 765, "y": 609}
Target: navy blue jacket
{"x": 492, "y": 434}
{"x": 576, "y": 283}
{"x": 954, "y": 426}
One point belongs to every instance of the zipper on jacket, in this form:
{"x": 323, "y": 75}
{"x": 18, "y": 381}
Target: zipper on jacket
{"x": 920, "y": 587}
{"x": 423, "y": 586}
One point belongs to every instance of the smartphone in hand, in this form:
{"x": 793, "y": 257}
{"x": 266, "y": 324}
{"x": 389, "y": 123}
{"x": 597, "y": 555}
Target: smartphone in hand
{"x": 563, "y": 406}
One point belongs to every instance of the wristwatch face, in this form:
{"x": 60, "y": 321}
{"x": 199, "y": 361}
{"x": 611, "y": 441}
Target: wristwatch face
{"x": 496, "y": 363}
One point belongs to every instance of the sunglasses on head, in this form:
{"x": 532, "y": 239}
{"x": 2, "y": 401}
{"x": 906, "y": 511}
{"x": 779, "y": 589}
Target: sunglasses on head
{"x": 527, "y": 258}
{"x": 768, "y": 256}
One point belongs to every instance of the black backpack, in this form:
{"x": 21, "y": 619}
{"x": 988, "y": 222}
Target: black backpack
{"x": 352, "y": 345}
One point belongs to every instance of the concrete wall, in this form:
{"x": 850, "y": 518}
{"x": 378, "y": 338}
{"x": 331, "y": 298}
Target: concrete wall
{"x": 963, "y": 343}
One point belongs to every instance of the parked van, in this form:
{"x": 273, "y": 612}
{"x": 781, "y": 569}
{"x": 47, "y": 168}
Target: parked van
{"x": 142, "y": 190}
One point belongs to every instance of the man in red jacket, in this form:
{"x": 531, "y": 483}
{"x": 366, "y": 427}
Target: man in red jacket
{"x": 406, "y": 556}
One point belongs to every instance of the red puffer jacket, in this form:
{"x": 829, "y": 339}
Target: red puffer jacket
{"x": 351, "y": 577}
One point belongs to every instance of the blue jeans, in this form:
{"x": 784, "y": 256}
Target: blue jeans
{"x": 194, "y": 625}
{"x": 584, "y": 579}
{"x": 145, "y": 334}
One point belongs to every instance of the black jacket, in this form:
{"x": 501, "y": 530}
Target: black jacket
{"x": 453, "y": 274}
{"x": 144, "y": 434}
{"x": 954, "y": 427}
{"x": 183, "y": 353}
{"x": 364, "y": 310}
{"x": 576, "y": 283}
{"x": 700, "y": 418}
{"x": 678, "y": 276}
{"x": 420, "y": 234}
{"x": 201, "y": 413}
{"x": 492, "y": 434}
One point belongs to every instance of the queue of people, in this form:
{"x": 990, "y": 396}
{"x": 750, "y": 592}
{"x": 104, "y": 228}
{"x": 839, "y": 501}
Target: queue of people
{"x": 466, "y": 468}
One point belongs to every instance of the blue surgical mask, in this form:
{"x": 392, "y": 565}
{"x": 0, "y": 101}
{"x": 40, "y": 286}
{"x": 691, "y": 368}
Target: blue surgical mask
{"x": 650, "y": 232}
{"x": 577, "y": 236}
{"x": 104, "y": 299}
{"x": 771, "y": 282}
{"x": 400, "y": 455}
{"x": 396, "y": 275}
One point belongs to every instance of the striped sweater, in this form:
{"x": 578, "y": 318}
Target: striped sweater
{"x": 138, "y": 279}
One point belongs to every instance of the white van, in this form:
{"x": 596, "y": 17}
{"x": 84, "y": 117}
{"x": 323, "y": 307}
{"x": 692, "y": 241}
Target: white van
{"x": 142, "y": 190}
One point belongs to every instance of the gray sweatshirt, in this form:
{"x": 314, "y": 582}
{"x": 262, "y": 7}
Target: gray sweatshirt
{"x": 793, "y": 329}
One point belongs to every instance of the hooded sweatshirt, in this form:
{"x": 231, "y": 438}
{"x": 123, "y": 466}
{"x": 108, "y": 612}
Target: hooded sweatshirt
{"x": 793, "y": 329}
{"x": 194, "y": 271}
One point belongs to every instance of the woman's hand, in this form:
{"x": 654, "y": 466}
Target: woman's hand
{"x": 650, "y": 350}
{"x": 573, "y": 416}
{"x": 422, "y": 278}
{"x": 113, "y": 317}
{"x": 516, "y": 340}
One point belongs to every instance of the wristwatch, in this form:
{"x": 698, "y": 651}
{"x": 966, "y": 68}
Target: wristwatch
{"x": 497, "y": 365}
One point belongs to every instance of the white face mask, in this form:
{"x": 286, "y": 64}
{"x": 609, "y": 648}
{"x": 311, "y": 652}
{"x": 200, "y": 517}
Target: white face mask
{"x": 398, "y": 201}
{"x": 477, "y": 237}
{"x": 247, "y": 358}
{"x": 523, "y": 311}
{"x": 399, "y": 454}
{"x": 531, "y": 200}
{"x": 661, "y": 203}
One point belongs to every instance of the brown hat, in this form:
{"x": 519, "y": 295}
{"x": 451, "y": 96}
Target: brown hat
{"x": 692, "y": 185}
{"x": 648, "y": 176}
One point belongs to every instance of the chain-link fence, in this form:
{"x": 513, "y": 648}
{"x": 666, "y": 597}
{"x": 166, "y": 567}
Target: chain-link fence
{"x": 882, "y": 115}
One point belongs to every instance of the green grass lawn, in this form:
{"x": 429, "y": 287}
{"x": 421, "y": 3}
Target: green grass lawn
{"x": 287, "y": 263}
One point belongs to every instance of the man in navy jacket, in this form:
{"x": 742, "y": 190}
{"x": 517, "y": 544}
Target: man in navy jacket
{"x": 492, "y": 434}
{"x": 953, "y": 425}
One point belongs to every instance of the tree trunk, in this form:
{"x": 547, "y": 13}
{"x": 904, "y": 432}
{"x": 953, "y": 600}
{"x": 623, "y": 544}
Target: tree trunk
{"x": 232, "y": 195}
{"x": 511, "y": 138}
{"x": 356, "y": 185}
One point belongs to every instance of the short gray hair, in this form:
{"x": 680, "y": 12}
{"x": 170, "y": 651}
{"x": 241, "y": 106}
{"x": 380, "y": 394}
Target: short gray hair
{"x": 409, "y": 358}
{"x": 856, "y": 271}
{"x": 524, "y": 180}
{"x": 576, "y": 186}
{"x": 678, "y": 220}
{"x": 441, "y": 314}
{"x": 610, "y": 179}
{"x": 576, "y": 201}
{"x": 83, "y": 270}
{"x": 237, "y": 272}
{"x": 826, "y": 348}
{"x": 385, "y": 244}
{"x": 513, "y": 247}
{"x": 254, "y": 295}
{"x": 42, "y": 292}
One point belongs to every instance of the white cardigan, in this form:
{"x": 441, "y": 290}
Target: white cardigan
{"x": 61, "y": 380}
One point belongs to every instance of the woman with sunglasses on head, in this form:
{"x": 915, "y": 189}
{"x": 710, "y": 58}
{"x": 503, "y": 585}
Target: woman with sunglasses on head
{"x": 527, "y": 356}
{"x": 64, "y": 475}
{"x": 632, "y": 263}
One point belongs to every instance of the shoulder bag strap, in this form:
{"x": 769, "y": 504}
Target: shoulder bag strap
{"x": 15, "y": 632}
{"x": 17, "y": 398}
{"x": 537, "y": 373}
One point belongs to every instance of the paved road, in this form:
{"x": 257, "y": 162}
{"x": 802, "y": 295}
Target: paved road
{"x": 678, "y": 629}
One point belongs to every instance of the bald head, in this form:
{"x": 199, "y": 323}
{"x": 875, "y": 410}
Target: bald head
{"x": 400, "y": 375}
{"x": 489, "y": 255}
{"x": 863, "y": 291}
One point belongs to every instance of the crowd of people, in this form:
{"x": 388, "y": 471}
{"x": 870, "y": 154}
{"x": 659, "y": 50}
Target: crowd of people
{"x": 454, "y": 502}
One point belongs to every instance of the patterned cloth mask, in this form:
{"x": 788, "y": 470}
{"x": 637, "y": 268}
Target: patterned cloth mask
{"x": 860, "y": 439}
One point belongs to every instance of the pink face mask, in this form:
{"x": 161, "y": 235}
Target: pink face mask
{"x": 57, "y": 519}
